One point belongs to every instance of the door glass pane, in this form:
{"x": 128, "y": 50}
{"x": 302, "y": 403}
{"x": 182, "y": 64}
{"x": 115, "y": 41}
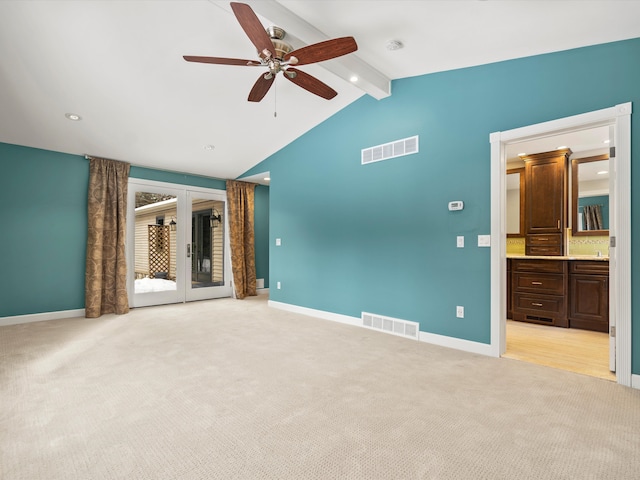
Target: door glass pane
{"x": 207, "y": 243}
{"x": 155, "y": 242}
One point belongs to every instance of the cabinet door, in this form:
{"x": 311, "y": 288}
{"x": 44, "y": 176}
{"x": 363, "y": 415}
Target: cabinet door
{"x": 589, "y": 302}
{"x": 545, "y": 203}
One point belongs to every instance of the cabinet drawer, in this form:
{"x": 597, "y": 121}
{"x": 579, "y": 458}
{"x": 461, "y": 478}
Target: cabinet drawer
{"x": 538, "y": 266}
{"x": 544, "y": 239}
{"x": 544, "y": 244}
{"x": 589, "y": 267}
{"x": 539, "y": 305}
{"x": 543, "y": 250}
{"x": 546, "y": 283}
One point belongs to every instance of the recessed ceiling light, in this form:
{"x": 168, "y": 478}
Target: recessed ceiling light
{"x": 353, "y": 78}
{"x": 266, "y": 179}
{"x": 561, "y": 147}
{"x": 73, "y": 116}
{"x": 521, "y": 154}
{"x": 603, "y": 172}
{"x": 209, "y": 147}
{"x": 606, "y": 141}
{"x": 394, "y": 45}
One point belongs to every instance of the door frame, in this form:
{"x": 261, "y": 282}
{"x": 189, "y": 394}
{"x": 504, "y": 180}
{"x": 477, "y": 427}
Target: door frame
{"x": 619, "y": 256}
{"x": 183, "y": 268}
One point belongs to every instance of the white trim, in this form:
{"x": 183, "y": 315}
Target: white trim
{"x": 620, "y": 260}
{"x": 41, "y": 317}
{"x": 432, "y": 338}
{"x": 635, "y": 381}
{"x": 456, "y": 343}
{"x": 261, "y": 291}
{"x": 334, "y": 317}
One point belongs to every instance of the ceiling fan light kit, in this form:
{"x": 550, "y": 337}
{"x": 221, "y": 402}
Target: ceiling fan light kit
{"x": 279, "y": 56}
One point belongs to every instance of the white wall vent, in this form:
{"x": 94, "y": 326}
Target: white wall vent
{"x": 394, "y": 326}
{"x": 395, "y": 149}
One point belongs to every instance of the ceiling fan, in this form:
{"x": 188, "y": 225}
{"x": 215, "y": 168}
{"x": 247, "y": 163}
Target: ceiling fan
{"x": 278, "y": 56}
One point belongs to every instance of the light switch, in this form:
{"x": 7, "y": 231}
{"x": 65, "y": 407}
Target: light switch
{"x": 460, "y": 241}
{"x": 278, "y": 242}
{"x": 484, "y": 240}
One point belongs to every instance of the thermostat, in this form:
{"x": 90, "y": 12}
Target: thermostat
{"x": 456, "y": 205}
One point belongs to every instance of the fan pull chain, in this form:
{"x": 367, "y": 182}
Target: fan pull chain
{"x": 275, "y": 98}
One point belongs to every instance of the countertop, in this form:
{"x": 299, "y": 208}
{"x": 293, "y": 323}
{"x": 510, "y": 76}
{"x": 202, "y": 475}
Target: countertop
{"x": 559, "y": 257}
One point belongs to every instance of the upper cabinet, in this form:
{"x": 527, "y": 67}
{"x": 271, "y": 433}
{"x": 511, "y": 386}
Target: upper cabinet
{"x": 590, "y": 196}
{"x": 545, "y": 202}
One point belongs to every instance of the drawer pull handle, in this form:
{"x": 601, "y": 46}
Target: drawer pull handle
{"x": 543, "y": 239}
{"x": 536, "y": 304}
{"x": 536, "y": 283}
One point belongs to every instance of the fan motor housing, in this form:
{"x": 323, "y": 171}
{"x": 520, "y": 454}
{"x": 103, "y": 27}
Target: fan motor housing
{"x": 280, "y": 46}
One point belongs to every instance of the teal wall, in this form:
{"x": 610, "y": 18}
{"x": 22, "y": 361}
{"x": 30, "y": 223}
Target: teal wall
{"x": 379, "y": 237}
{"x": 43, "y": 212}
{"x": 262, "y": 233}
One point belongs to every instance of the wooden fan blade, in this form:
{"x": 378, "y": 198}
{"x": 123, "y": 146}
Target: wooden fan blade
{"x": 319, "y": 52}
{"x": 261, "y": 87}
{"x": 222, "y": 61}
{"x": 310, "y": 83}
{"x": 253, "y": 28}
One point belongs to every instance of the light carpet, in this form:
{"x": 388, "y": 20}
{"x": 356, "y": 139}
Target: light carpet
{"x": 230, "y": 389}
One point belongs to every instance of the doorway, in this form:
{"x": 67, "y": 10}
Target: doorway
{"x": 541, "y": 341}
{"x": 619, "y": 118}
{"x": 176, "y": 244}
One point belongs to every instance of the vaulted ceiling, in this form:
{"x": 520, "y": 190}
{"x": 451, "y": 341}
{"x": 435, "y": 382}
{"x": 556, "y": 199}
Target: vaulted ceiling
{"x": 118, "y": 65}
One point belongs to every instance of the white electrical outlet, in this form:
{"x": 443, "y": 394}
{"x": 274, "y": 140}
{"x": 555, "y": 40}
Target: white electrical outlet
{"x": 278, "y": 285}
{"x": 278, "y": 242}
{"x": 459, "y": 311}
{"x": 460, "y": 241}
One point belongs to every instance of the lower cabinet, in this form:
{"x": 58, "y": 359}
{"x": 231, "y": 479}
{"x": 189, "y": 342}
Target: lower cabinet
{"x": 589, "y": 300}
{"x": 539, "y": 291}
{"x": 562, "y": 293}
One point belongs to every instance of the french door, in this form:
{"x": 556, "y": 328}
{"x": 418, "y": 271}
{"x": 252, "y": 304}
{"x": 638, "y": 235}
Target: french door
{"x": 177, "y": 247}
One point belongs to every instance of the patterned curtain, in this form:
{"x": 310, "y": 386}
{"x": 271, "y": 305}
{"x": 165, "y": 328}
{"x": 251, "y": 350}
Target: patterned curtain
{"x": 240, "y": 199}
{"x": 592, "y": 215}
{"x": 106, "y": 269}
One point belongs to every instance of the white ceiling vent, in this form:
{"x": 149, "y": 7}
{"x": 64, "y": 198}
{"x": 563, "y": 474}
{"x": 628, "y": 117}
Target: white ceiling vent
{"x": 394, "y": 326}
{"x": 399, "y": 148}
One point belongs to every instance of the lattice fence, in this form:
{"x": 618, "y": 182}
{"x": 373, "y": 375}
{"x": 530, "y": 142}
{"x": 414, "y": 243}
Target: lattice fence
{"x": 159, "y": 250}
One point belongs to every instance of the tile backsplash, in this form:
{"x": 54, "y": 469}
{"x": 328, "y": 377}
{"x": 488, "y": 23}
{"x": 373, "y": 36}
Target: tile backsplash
{"x": 580, "y": 245}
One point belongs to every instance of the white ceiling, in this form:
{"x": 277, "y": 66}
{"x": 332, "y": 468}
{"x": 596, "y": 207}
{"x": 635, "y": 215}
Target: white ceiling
{"x": 119, "y": 66}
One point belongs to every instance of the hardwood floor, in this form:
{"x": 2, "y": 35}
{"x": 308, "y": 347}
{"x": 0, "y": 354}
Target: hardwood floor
{"x": 580, "y": 351}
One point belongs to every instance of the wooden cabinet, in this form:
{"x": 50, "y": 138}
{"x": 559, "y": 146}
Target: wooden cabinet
{"x": 509, "y": 283}
{"x": 589, "y": 295}
{"x": 546, "y": 202}
{"x": 562, "y": 293}
{"x": 539, "y": 291}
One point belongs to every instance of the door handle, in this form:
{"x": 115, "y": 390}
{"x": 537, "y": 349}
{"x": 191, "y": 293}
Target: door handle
{"x": 188, "y": 250}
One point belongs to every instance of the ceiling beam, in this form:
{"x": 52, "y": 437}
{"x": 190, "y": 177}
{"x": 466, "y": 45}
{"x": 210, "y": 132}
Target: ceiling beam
{"x": 370, "y": 80}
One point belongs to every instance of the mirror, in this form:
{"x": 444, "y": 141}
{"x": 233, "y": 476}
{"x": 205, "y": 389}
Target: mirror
{"x": 590, "y": 195}
{"x": 515, "y": 202}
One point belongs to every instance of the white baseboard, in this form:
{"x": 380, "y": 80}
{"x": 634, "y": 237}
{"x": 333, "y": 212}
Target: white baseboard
{"x": 635, "y": 381}
{"x": 41, "y": 317}
{"x": 334, "y": 317}
{"x": 260, "y": 291}
{"x": 441, "y": 340}
{"x": 457, "y": 343}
